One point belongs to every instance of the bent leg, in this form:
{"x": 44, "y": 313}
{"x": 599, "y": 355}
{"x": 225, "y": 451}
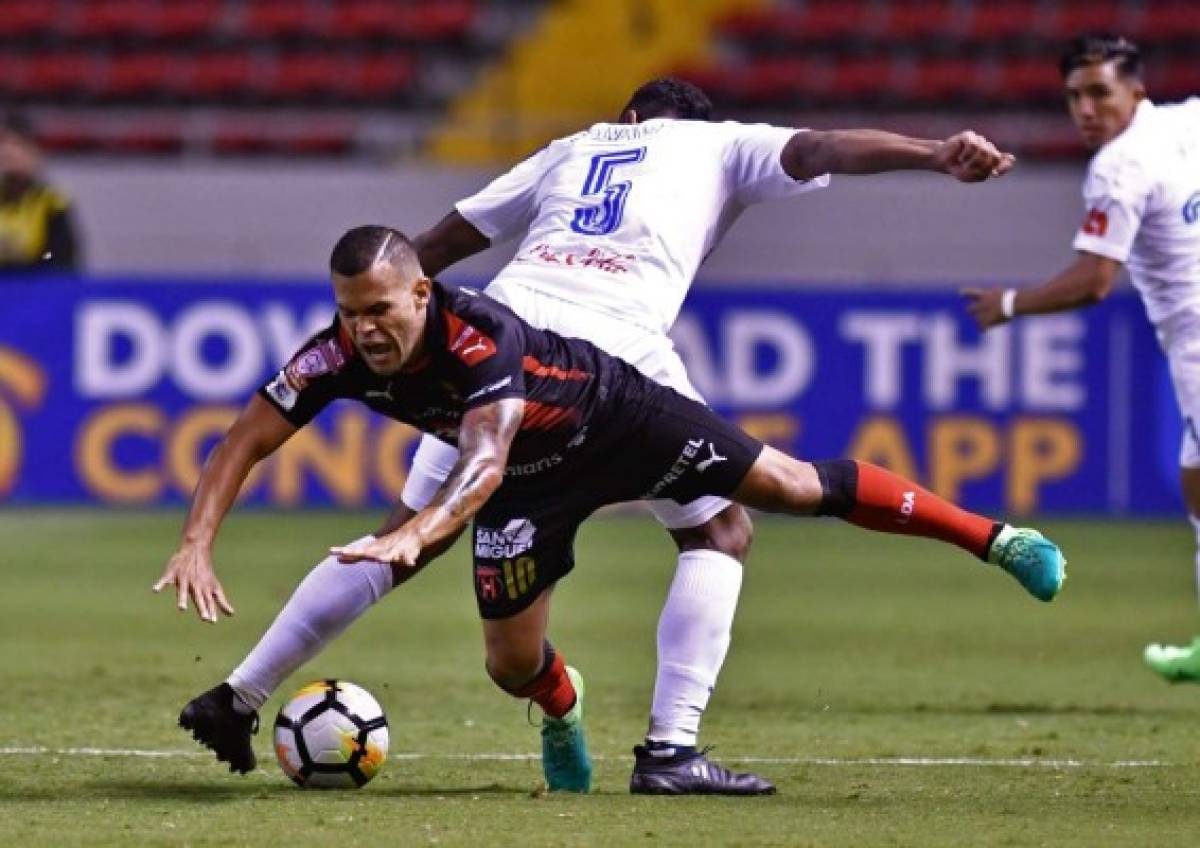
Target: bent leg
{"x": 524, "y": 664}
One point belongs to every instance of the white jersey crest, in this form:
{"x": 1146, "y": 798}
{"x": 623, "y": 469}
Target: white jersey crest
{"x": 618, "y": 218}
{"x": 1142, "y": 195}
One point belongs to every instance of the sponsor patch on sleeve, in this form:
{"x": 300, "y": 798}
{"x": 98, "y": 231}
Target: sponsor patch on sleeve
{"x": 282, "y": 392}
{"x": 1095, "y": 223}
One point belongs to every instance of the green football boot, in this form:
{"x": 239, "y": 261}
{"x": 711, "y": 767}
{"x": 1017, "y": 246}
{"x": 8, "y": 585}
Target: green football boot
{"x": 1032, "y": 559}
{"x": 565, "y": 759}
{"x": 1175, "y": 664}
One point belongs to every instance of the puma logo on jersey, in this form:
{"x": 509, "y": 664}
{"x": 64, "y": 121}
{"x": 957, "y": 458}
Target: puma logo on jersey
{"x": 714, "y": 457}
{"x": 907, "y": 506}
{"x": 468, "y": 343}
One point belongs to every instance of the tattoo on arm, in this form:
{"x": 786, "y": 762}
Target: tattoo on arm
{"x": 484, "y": 439}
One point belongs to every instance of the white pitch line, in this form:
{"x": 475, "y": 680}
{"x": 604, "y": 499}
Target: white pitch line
{"x": 981, "y": 762}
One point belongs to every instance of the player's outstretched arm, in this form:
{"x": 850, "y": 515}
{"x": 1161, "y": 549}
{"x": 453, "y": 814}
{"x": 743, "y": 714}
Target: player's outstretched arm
{"x": 450, "y": 240}
{"x": 1086, "y": 281}
{"x": 484, "y": 438}
{"x": 967, "y": 156}
{"x": 256, "y": 434}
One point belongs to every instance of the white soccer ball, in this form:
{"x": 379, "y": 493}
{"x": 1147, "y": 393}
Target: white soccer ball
{"x": 331, "y": 735}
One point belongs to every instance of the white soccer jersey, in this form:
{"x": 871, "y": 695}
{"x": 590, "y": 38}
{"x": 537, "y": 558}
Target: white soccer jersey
{"x": 619, "y": 217}
{"x": 1142, "y": 194}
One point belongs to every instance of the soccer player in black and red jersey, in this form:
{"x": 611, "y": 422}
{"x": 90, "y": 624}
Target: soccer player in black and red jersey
{"x": 549, "y": 429}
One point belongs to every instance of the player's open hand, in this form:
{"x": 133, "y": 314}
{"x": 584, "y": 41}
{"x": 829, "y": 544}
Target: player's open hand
{"x": 190, "y": 571}
{"x": 400, "y": 547}
{"x": 971, "y": 158}
{"x": 985, "y": 307}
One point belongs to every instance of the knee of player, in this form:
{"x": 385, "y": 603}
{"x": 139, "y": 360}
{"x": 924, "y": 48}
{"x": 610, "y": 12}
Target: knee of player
{"x": 786, "y": 484}
{"x": 512, "y": 672}
{"x": 730, "y": 532}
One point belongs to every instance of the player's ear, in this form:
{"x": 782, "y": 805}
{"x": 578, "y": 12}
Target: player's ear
{"x": 422, "y": 290}
{"x": 629, "y": 116}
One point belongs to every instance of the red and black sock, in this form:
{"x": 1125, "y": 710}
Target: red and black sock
{"x": 551, "y": 689}
{"x": 875, "y": 498}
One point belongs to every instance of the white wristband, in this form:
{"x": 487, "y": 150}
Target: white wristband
{"x": 1008, "y": 303}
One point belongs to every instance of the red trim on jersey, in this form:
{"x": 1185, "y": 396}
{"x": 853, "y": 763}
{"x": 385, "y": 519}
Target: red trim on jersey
{"x": 468, "y": 343}
{"x": 546, "y": 416}
{"x": 537, "y": 369}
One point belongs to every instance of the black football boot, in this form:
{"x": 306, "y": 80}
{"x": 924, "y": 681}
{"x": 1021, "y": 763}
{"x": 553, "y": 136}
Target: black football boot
{"x": 216, "y": 725}
{"x": 678, "y": 770}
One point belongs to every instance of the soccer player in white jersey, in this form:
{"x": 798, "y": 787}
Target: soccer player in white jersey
{"x": 614, "y": 222}
{"x": 1142, "y": 200}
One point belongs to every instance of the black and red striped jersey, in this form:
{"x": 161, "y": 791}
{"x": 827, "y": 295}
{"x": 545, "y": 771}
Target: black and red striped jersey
{"x": 477, "y": 351}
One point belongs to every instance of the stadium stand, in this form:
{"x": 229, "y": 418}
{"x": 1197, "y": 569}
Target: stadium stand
{"x": 908, "y": 56}
{"x": 131, "y": 76}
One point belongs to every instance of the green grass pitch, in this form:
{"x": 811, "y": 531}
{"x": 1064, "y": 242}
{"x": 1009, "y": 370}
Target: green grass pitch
{"x": 898, "y": 692}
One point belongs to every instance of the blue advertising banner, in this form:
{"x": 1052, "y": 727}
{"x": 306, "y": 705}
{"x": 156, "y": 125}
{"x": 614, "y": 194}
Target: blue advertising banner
{"x": 113, "y": 392}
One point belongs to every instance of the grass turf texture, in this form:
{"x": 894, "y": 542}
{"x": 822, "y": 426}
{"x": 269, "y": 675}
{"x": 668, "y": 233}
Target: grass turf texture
{"x": 847, "y": 646}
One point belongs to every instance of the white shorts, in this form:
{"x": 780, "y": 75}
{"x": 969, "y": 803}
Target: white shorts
{"x": 651, "y": 353}
{"x": 1180, "y": 339}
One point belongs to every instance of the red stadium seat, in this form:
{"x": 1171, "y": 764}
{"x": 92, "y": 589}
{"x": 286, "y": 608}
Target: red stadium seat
{"x": 1023, "y": 80}
{"x": 950, "y": 78}
{"x": 864, "y": 78}
{"x": 1167, "y": 20}
{"x": 61, "y": 74}
{"x": 217, "y": 74}
{"x": 268, "y": 19}
{"x": 111, "y": 18}
{"x": 818, "y": 21}
{"x": 990, "y": 21}
{"x": 386, "y": 75}
{"x": 137, "y": 74}
{"x": 1070, "y": 19}
{"x": 305, "y": 74}
{"x": 28, "y": 18}
{"x": 388, "y": 19}
{"x": 913, "y": 20}
{"x": 317, "y": 141}
{"x": 187, "y": 18}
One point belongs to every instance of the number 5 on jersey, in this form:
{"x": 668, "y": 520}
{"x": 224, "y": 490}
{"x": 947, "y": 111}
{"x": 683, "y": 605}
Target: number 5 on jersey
{"x": 605, "y": 216}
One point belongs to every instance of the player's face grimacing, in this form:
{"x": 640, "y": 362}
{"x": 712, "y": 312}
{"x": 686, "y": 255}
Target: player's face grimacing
{"x": 1101, "y": 102}
{"x": 384, "y": 314}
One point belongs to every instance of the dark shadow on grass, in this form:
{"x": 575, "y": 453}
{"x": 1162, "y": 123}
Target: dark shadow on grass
{"x": 213, "y": 793}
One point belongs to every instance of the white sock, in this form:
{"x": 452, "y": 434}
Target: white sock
{"x": 324, "y": 604}
{"x": 693, "y": 638}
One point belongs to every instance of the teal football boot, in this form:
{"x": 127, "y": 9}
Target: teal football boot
{"x": 565, "y": 759}
{"x": 1032, "y": 559}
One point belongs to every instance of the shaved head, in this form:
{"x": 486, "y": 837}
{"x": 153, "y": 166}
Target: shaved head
{"x": 364, "y": 248}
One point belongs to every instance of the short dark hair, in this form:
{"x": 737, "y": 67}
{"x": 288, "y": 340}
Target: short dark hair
{"x": 670, "y": 98}
{"x": 361, "y": 248}
{"x": 1097, "y": 48}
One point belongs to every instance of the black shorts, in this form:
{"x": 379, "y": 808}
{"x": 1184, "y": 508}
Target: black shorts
{"x": 661, "y": 446}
